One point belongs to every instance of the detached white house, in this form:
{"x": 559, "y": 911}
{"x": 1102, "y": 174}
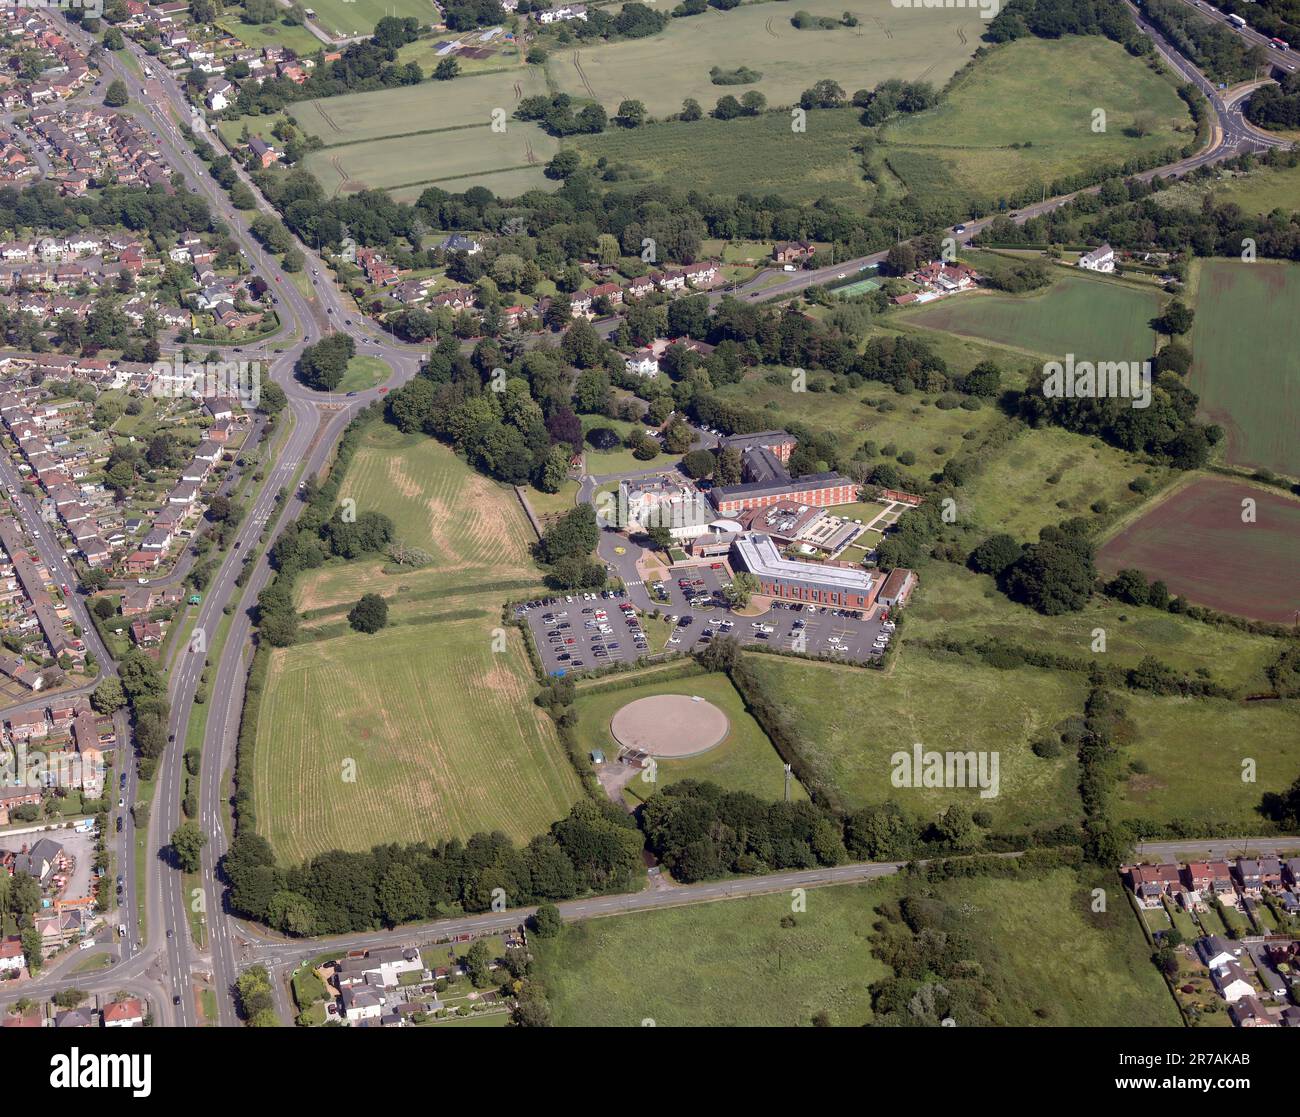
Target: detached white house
{"x": 643, "y": 362}
{"x": 1099, "y": 259}
{"x": 1231, "y": 982}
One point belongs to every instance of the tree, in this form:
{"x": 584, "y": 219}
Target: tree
{"x": 743, "y": 586}
{"x": 631, "y": 114}
{"x": 108, "y": 696}
{"x": 994, "y": 555}
{"x": 547, "y": 921}
{"x": 699, "y": 463}
{"x": 187, "y": 845}
{"x": 447, "y": 69}
{"x": 1177, "y": 319}
{"x": 116, "y": 95}
{"x": 370, "y": 614}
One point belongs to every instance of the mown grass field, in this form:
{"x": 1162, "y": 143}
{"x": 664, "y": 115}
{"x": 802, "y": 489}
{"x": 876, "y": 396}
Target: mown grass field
{"x": 854, "y": 720}
{"x": 358, "y": 17}
{"x": 954, "y": 603}
{"x": 756, "y": 155}
{"x": 1049, "y": 475}
{"x": 474, "y": 528}
{"x": 297, "y": 38}
{"x": 744, "y": 761}
{"x": 455, "y": 159}
{"x": 1095, "y": 319}
{"x": 441, "y": 729}
{"x": 734, "y": 964}
{"x": 429, "y": 106}
{"x": 1038, "y": 94}
{"x": 1193, "y": 749}
{"x": 1244, "y": 366}
{"x": 1197, "y": 542}
{"x": 661, "y": 70}
{"x": 363, "y": 373}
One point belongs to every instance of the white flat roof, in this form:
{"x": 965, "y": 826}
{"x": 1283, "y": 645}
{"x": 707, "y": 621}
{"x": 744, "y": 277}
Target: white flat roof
{"x": 761, "y": 558}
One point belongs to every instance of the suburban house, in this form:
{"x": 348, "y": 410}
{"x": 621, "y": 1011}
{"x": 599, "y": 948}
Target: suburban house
{"x": 124, "y": 1014}
{"x": 1231, "y": 982}
{"x": 1099, "y": 259}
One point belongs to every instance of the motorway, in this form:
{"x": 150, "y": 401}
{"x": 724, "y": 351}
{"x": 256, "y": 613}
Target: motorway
{"x": 164, "y": 962}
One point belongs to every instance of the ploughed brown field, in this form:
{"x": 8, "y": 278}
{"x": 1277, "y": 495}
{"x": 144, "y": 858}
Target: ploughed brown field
{"x": 1198, "y": 542}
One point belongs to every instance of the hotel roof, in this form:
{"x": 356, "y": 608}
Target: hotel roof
{"x": 762, "y": 559}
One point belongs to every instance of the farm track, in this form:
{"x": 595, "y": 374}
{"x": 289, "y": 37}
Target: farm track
{"x": 328, "y": 119}
{"x": 961, "y": 37}
{"x": 582, "y": 75}
{"x": 400, "y": 136}
{"x": 768, "y": 28}
{"x": 881, "y": 24}
{"x": 468, "y": 174}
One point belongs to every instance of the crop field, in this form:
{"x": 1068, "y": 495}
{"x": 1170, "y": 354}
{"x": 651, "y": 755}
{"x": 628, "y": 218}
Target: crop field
{"x": 1191, "y": 751}
{"x": 854, "y": 720}
{"x": 343, "y": 18}
{"x": 1024, "y": 116}
{"x": 473, "y": 528}
{"x": 757, "y": 155}
{"x": 454, "y": 159}
{"x": 735, "y": 964}
{"x": 1244, "y": 366}
{"x": 441, "y": 732}
{"x": 1095, "y": 319}
{"x": 1049, "y": 475}
{"x": 1197, "y": 542}
{"x": 955, "y": 603}
{"x": 663, "y": 69}
{"x": 744, "y": 761}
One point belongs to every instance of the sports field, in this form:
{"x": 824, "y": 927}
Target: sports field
{"x": 854, "y": 720}
{"x": 1198, "y": 543}
{"x": 746, "y": 963}
{"x": 1024, "y": 116}
{"x": 473, "y": 528}
{"x": 1245, "y": 363}
{"x": 744, "y": 761}
{"x": 1095, "y": 319}
{"x": 661, "y": 70}
{"x": 1192, "y": 753}
{"x": 345, "y": 18}
{"x": 958, "y": 604}
{"x": 439, "y": 728}
{"x": 1048, "y": 475}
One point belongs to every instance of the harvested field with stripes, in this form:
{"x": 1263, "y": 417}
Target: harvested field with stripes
{"x": 473, "y": 529}
{"x": 438, "y": 731}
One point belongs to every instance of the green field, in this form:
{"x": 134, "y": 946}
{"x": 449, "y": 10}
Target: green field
{"x": 909, "y": 423}
{"x": 955, "y": 603}
{"x": 744, "y": 761}
{"x": 1023, "y": 116}
{"x": 1244, "y": 368}
{"x": 435, "y": 132}
{"x": 733, "y": 964}
{"x": 297, "y": 38}
{"x": 415, "y": 109}
{"x": 853, "y": 721}
{"x": 1048, "y": 475}
{"x": 1095, "y": 319}
{"x": 661, "y": 70}
{"x": 1260, "y": 190}
{"x": 345, "y": 18}
{"x": 363, "y": 373}
{"x": 757, "y": 155}
{"x": 1193, "y": 751}
{"x": 440, "y": 728}
{"x": 474, "y": 528}
{"x": 454, "y": 159}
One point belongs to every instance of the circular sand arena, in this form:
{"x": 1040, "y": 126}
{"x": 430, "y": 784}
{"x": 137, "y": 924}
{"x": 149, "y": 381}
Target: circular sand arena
{"x": 670, "y": 725}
